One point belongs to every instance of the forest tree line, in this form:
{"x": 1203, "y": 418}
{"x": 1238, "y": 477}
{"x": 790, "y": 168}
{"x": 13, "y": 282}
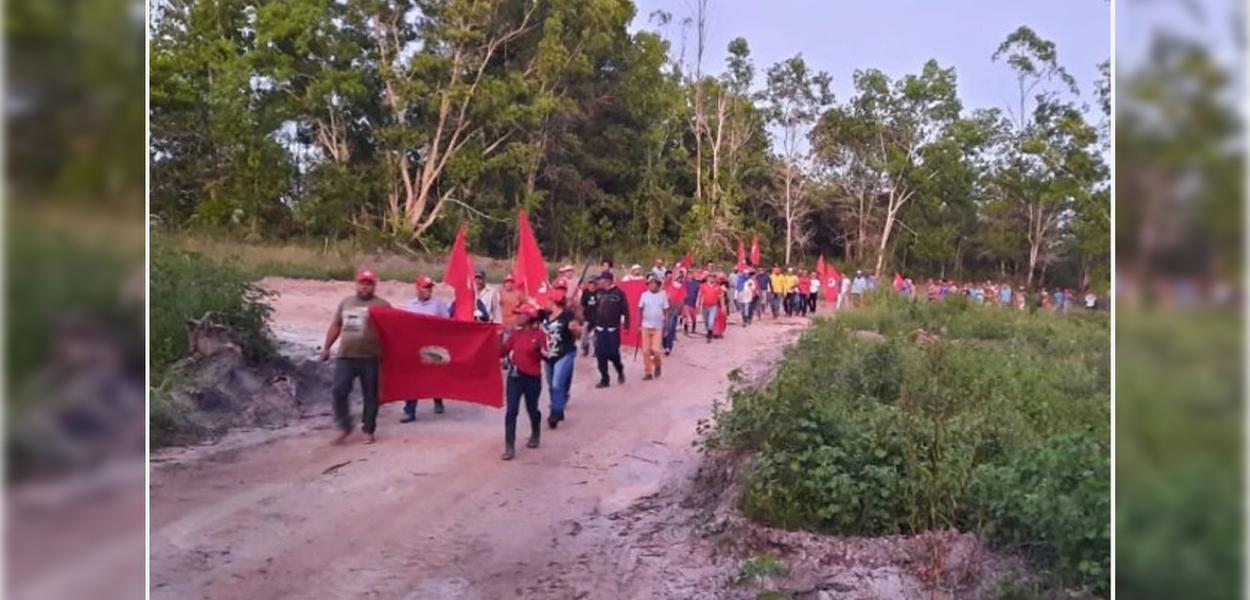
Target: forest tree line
{"x": 392, "y": 121}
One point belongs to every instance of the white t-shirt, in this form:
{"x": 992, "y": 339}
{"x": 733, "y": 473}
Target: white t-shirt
{"x": 747, "y": 293}
{"x": 815, "y": 285}
{"x": 653, "y": 305}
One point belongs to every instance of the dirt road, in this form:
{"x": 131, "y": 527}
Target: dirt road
{"x": 430, "y": 511}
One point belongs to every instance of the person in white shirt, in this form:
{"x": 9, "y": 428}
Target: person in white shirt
{"x": 814, "y": 293}
{"x": 846, "y": 290}
{"x": 746, "y": 297}
{"x": 487, "y": 298}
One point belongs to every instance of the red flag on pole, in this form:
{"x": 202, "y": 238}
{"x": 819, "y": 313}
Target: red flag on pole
{"x": 632, "y": 336}
{"x": 430, "y": 357}
{"x": 686, "y": 261}
{"x": 833, "y": 282}
{"x": 742, "y": 256}
{"x": 530, "y": 270}
{"x": 821, "y": 266}
{"x": 459, "y": 275}
{"x": 755, "y": 251}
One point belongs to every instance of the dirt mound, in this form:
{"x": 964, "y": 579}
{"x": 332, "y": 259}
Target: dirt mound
{"x": 217, "y": 390}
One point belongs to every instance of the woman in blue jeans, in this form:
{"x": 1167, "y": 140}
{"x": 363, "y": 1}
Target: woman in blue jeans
{"x": 524, "y": 347}
{"x": 562, "y": 331}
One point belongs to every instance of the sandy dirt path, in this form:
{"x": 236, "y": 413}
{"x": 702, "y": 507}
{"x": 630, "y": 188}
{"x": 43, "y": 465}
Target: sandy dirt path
{"x": 429, "y": 511}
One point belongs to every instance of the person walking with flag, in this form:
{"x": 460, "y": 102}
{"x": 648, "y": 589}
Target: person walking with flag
{"x": 560, "y": 352}
{"x": 359, "y": 349}
{"x": 523, "y": 349}
{"x": 425, "y": 304}
{"x": 653, "y": 310}
{"x": 612, "y": 311}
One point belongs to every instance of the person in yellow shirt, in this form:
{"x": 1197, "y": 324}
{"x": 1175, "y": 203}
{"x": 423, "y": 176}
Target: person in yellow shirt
{"x": 776, "y": 288}
{"x": 790, "y": 288}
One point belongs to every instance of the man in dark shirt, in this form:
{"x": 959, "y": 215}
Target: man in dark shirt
{"x": 611, "y": 311}
{"x": 590, "y": 299}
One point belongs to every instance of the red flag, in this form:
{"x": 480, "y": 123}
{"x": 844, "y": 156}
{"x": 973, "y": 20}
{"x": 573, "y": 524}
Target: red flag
{"x": 633, "y": 291}
{"x": 530, "y": 270}
{"x": 459, "y": 275}
{"x": 429, "y": 357}
{"x": 686, "y": 261}
{"x": 821, "y": 266}
{"x": 755, "y": 251}
{"x": 833, "y": 282}
{"x": 742, "y": 257}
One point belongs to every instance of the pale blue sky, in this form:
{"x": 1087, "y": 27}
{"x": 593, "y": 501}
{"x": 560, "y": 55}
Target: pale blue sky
{"x": 898, "y": 36}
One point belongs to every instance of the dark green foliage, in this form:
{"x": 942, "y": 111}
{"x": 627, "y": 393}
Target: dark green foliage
{"x": 999, "y": 426}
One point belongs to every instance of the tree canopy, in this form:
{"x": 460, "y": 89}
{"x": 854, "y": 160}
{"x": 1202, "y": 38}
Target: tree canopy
{"x": 393, "y": 121}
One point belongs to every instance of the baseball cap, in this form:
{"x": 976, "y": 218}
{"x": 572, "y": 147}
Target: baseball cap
{"x": 425, "y": 281}
{"x": 556, "y": 295}
{"x": 607, "y": 275}
{"x": 366, "y": 275}
{"x": 636, "y": 266}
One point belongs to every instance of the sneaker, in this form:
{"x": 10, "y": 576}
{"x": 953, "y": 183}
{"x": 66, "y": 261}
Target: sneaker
{"x": 370, "y": 438}
{"x": 647, "y": 377}
{"x": 620, "y": 377}
{"x": 508, "y": 453}
{"x": 602, "y": 384}
{"x": 408, "y": 419}
{"x": 552, "y": 421}
{"x": 668, "y": 351}
{"x": 533, "y": 443}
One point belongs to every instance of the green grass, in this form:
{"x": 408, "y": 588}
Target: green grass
{"x": 1002, "y": 427}
{"x": 759, "y": 567}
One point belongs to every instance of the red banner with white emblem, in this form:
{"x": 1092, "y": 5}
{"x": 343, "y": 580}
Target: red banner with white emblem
{"x": 429, "y": 357}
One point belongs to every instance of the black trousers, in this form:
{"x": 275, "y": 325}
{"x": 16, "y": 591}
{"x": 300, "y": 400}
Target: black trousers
{"x": 812, "y": 298}
{"x": 527, "y": 386}
{"x": 608, "y": 349}
{"x": 346, "y": 371}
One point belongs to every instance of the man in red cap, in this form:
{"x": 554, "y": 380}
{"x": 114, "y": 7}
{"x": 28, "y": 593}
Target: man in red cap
{"x": 523, "y": 349}
{"x": 359, "y": 348}
{"x": 425, "y": 304}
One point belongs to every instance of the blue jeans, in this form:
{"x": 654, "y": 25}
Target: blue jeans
{"x": 530, "y": 387}
{"x": 709, "y": 318}
{"x": 670, "y": 329}
{"x": 559, "y": 380}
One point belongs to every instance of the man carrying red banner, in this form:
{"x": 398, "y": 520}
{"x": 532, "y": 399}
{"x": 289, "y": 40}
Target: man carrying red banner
{"x": 425, "y": 304}
{"x": 523, "y": 349}
{"x": 359, "y": 349}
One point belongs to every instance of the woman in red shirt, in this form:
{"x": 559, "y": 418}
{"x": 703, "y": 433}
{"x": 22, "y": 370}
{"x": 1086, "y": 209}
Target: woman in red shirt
{"x": 525, "y": 349}
{"x": 709, "y": 301}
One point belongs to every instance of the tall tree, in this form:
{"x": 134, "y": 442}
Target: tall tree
{"x": 794, "y": 97}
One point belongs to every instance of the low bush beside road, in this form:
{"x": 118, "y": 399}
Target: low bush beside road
{"x": 950, "y": 415}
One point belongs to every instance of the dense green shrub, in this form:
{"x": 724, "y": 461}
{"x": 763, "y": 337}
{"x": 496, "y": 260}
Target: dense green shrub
{"x": 186, "y": 285}
{"x": 1001, "y": 426}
